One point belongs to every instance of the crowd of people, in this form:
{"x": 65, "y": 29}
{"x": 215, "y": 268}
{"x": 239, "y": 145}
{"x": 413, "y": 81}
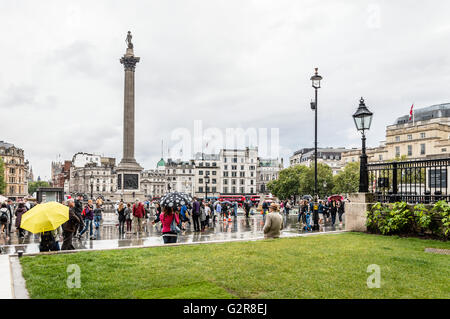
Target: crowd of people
{"x": 133, "y": 218}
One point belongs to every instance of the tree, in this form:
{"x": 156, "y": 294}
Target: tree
{"x": 347, "y": 180}
{"x": 325, "y": 181}
{"x": 33, "y": 186}
{"x": 288, "y": 182}
{"x": 2, "y": 176}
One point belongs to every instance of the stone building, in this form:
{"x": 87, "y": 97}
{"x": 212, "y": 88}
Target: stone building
{"x": 267, "y": 170}
{"x": 428, "y": 136}
{"x": 180, "y": 176}
{"x": 239, "y": 170}
{"x": 329, "y": 156}
{"x": 16, "y": 171}
{"x": 207, "y": 165}
{"x": 95, "y": 173}
{"x": 154, "y": 183}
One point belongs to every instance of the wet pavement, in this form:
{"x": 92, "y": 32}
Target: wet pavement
{"x": 240, "y": 228}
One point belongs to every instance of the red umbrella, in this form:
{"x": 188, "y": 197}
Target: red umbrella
{"x": 336, "y": 197}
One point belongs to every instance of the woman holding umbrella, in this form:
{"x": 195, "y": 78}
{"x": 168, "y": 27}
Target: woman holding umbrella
{"x": 168, "y": 218}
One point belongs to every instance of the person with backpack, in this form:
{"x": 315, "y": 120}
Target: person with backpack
{"x": 19, "y": 212}
{"x": 184, "y": 218}
{"x": 265, "y": 208}
{"x": 4, "y": 220}
{"x": 169, "y": 231}
{"x": 48, "y": 241}
{"x": 88, "y": 213}
{"x": 128, "y": 219}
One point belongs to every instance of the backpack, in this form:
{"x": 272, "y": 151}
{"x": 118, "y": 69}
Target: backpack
{"x": 4, "y": 217}
{"x": 83, "y": 213}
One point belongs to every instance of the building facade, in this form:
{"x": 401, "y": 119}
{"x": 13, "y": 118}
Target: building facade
{"x": 16, "y": 171}
{"x": 329, "y": 156}
{"x": 427, "y": 136}
{"x": 267, "y": 170}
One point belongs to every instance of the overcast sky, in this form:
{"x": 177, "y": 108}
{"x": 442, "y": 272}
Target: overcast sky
{"x": 228, "y": 63}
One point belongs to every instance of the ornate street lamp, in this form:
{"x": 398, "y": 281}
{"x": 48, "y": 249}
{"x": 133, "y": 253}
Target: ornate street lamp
{"x": 315, "y": 79}
{"x": 363, "y": 120}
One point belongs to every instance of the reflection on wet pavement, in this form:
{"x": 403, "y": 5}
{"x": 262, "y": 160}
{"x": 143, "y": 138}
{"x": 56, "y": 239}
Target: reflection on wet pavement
{"x": 108, "y": 234}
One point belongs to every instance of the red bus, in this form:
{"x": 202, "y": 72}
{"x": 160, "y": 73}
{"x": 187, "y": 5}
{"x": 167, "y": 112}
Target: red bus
{"x": 232, "y": 198}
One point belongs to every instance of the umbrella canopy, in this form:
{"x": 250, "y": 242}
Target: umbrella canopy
{"x": 336, "y": 197}
{"x": 307, "y": 197}
{"x": 175, "y": 199}
{"x": 45, "y": 217}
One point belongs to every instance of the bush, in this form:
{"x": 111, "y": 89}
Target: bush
{"x": 401, "y": 219}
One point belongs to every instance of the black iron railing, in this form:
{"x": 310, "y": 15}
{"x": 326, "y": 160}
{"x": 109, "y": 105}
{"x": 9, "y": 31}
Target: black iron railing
{"x": 417, "y": 181}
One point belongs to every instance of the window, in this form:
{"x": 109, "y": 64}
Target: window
{"x": 234, "y": 159}
{"x": 225, "y": 167}
{"x": 200, "y": 189}
{"x": 225, "y": 181}
{"x": 233, "y": 174}
{"x": 214, "y": 172}
{"x": 409, "y": 150}
{"x": 225, "y": 190}
{"x": 214, "y": 164}
{"x": 206, "y": 172}
{"x": 251, "y": 182}
{"x": 444, "y": 150}
{"x": 242, "y": 190}
{"x": 409, "y": 137}
{"x": 200, "y": 180}
{"x": 214, "y": 181}
{"x": 233, "y": 182}
{"x": 380, "y": 157}
{"x": 242, "y": 167}
{"x": 200, "y": 172}
{"x": 225, "y": 174}
{"x": 397, "y": 138}
{"x": 397, "y": 151}
{"x": 234, "y": 167}
{"x": 12, "y": 170}
{"x": 422, "y": 135}
{"x": 422, "y": 148}
{"x": 242, "y": 182}
{"x": 214, "y": 189}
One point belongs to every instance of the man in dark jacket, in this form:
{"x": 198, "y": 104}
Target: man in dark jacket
{"x": 196, "y": 214}
{"x": 10, "y": 207}
{"x": 70, "y": 227}
{"x": 77, "y": 210}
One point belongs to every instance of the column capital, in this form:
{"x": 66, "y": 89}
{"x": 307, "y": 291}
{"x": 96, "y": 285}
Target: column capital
{"x": 129, "y": 62}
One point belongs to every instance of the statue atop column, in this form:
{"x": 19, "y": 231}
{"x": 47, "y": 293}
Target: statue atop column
{"x": 128, "y": 40}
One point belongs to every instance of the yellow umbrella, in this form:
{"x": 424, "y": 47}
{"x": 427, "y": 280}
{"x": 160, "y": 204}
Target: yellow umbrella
{"x": 45, "y": 217}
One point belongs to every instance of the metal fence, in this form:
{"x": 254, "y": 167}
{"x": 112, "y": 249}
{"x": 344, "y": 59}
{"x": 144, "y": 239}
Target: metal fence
{"x": 418, "y": 181}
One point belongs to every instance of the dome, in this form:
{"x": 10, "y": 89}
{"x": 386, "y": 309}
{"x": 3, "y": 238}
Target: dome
{"x": 161, "y": 163}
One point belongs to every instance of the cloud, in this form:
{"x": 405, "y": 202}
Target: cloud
{"x": 228, "y": 63}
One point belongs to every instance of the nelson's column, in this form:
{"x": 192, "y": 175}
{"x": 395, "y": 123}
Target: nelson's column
{"x": 128, "y": 170}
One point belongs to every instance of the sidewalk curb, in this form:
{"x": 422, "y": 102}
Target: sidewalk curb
{"x": 18, "y": 285}
{"x": 175, "y": 244}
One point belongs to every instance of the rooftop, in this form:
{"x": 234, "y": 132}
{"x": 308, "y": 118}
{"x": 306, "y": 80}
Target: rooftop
{"x": 426, "y": 113}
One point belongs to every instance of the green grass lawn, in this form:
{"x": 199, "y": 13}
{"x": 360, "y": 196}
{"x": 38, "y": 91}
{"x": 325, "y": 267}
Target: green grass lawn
{"x": 323, "y": 266}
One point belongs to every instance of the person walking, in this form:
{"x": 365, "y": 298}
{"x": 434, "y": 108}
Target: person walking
{"x": 88, "y": 218}
{"x": 121, "y": 217}
{"x": 97, "y": 216}
{"x": 217, "y": 212}
{"x": 169, "y": 235}
{"x": 4, "y": 220}
{"x": 70, "y": 227}
{"x": 196, "y": 214}
{"x": 333, "y": 211}
{"x": 246, "y": 208}
{"x": 128, "y": 214}
{"x": 138, "y": 216}
{"x": 341, "y": 211}
{"x": 48, "y": 241}
{"x": 265, "y": 208}
{"x": 274, "y": 223}
{"x": 183, "y": 216}
{"x": 78, "y": 209}
{"x": 202, "y": 216}
{"x": 287, "y": 207}
{"x": 19, "y": 212}
{"x": 11, "y": 208}
{"x": 225, "y": 212}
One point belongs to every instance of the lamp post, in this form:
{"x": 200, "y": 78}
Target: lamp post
{"x": 206, "y": 188}
{"x": 315, "y": 79}
{"x": 363, "y": 120}
{"x": 91, "y": 179}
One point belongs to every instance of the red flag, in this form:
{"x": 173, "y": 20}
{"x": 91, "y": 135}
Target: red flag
{"x": 411, "y": 112}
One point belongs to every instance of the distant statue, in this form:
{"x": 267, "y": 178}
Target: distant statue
{"x": 128, "y": 40}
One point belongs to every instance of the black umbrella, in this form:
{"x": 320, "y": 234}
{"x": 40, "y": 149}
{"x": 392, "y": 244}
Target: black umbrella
{"x": 175, "y": 199}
